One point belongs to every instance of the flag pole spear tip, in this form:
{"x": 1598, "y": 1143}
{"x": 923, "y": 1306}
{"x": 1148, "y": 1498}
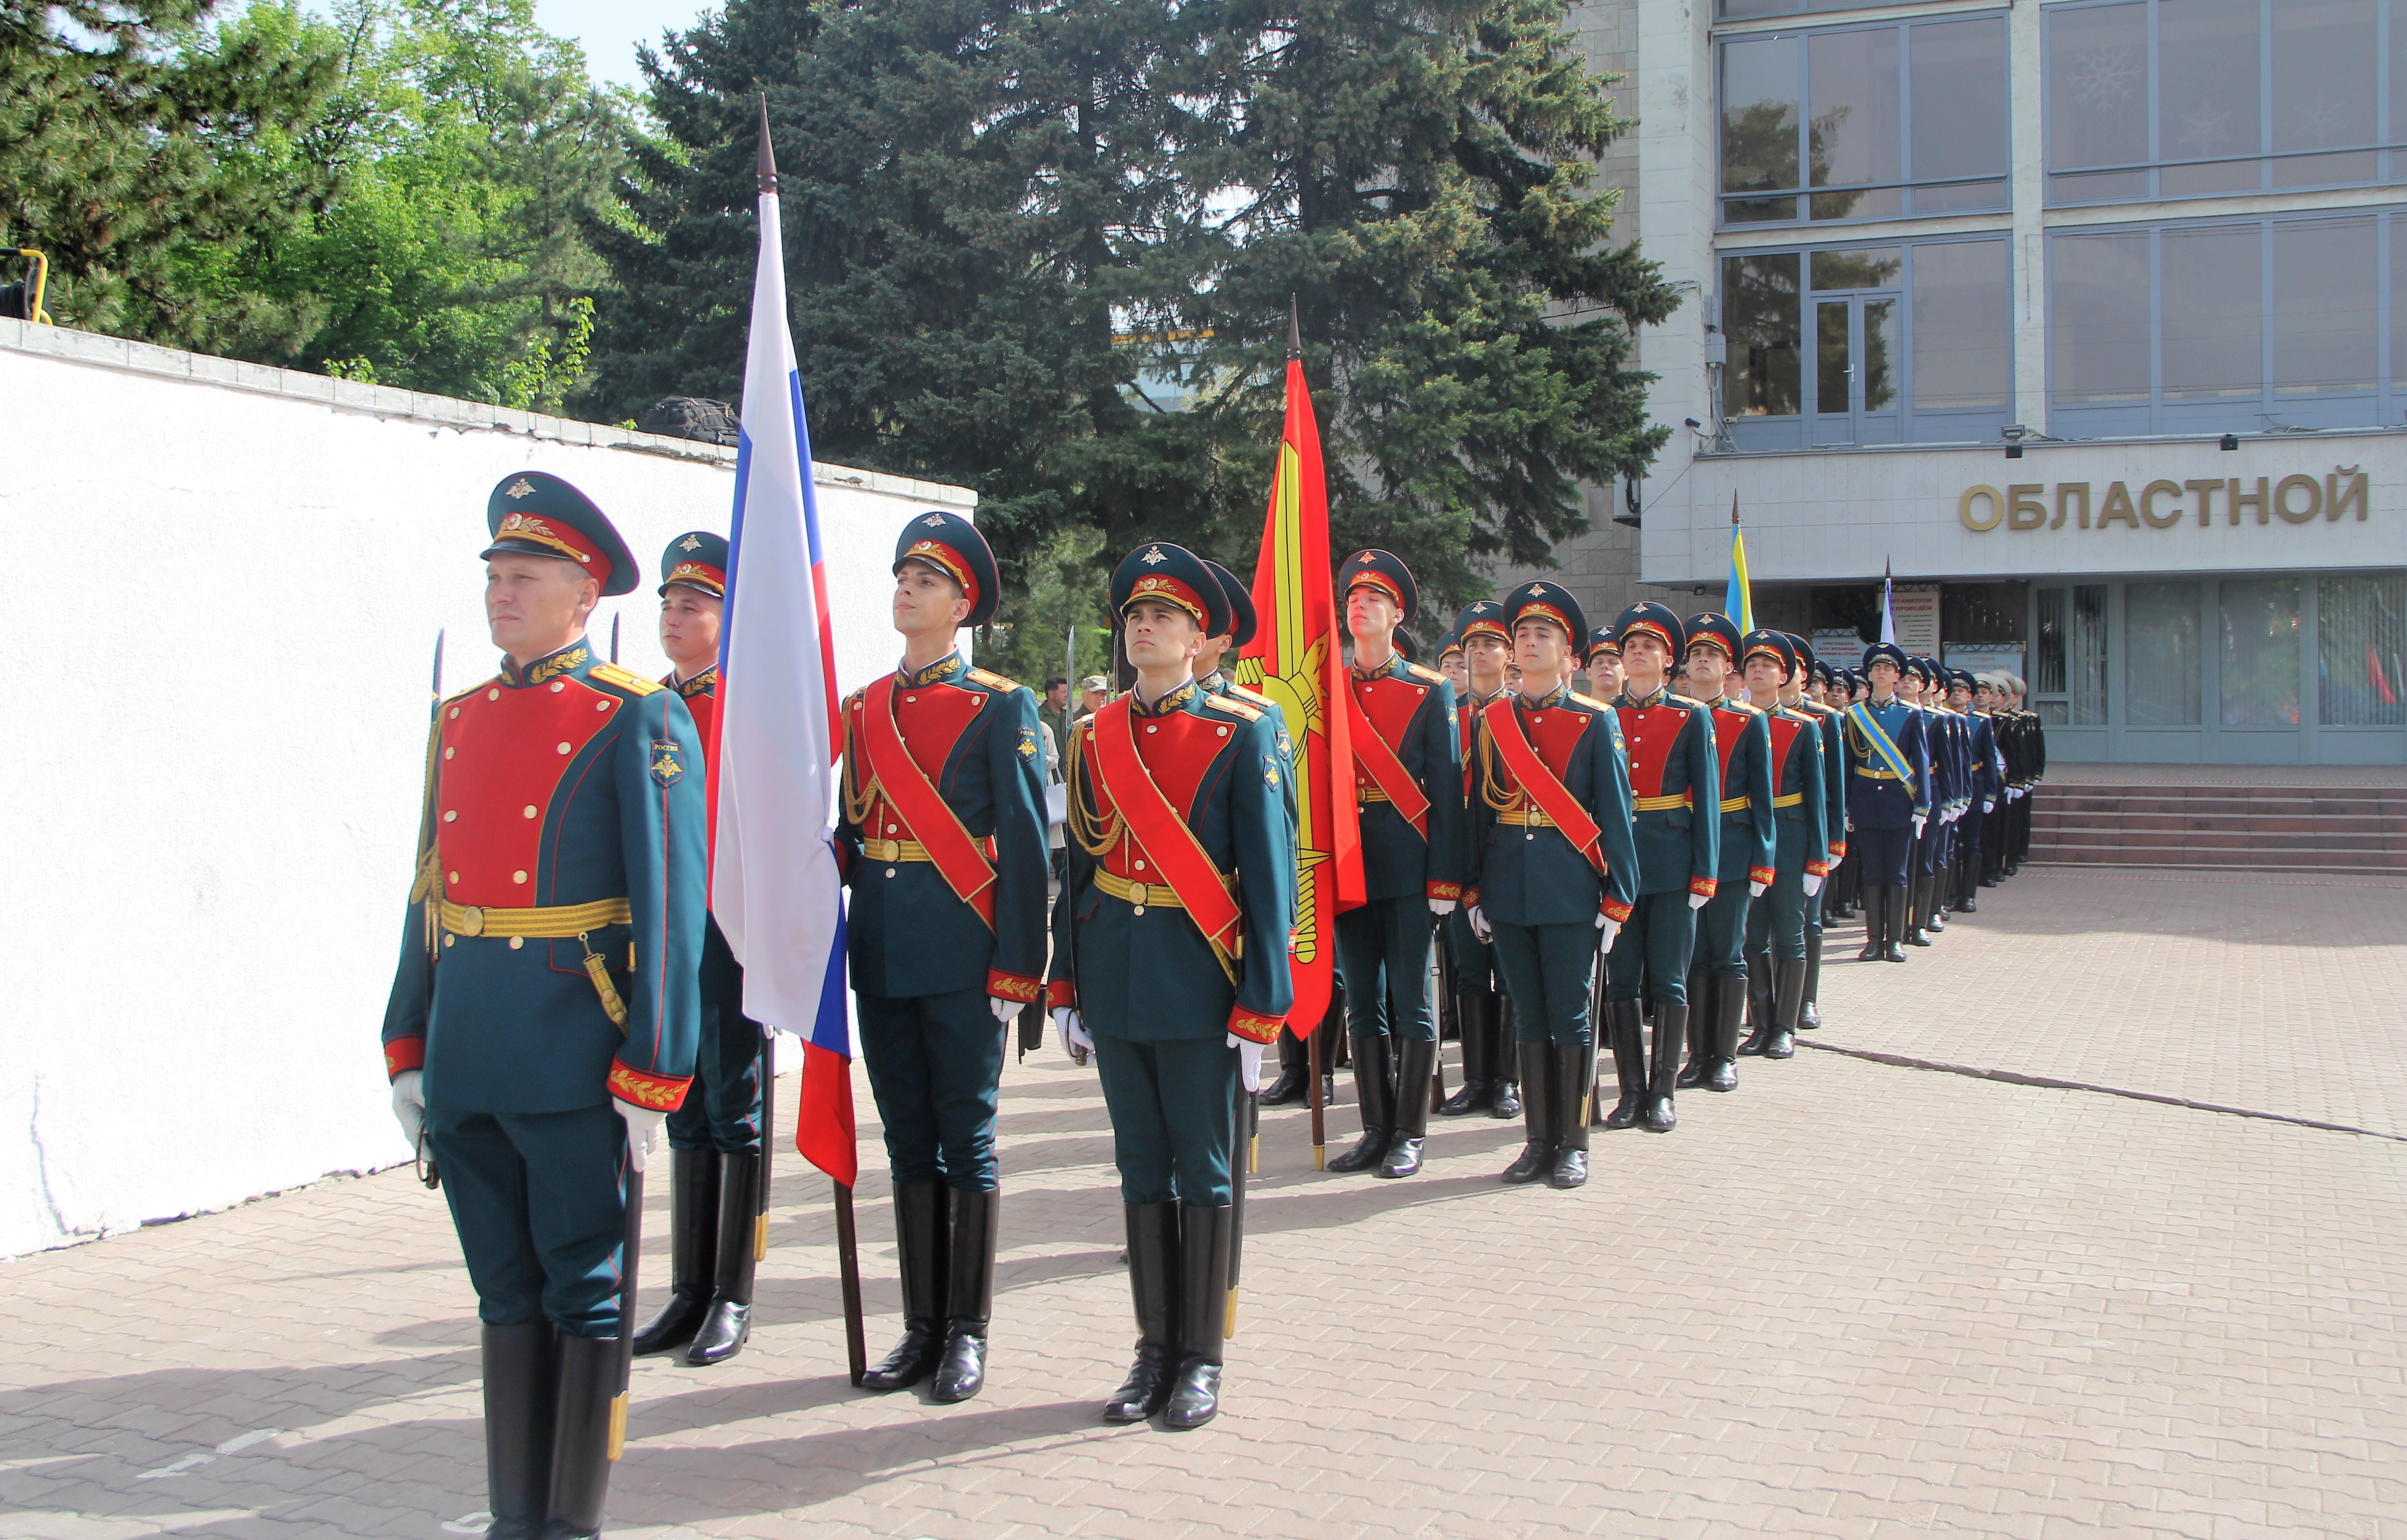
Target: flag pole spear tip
{"x": 1294, "y": 331}
{"x": 768, "y": 162}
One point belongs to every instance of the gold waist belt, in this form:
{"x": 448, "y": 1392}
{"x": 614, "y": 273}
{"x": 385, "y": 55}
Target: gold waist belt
{"x": 1661, "y": 804}
{"x": 1878, "y": 774}
{"x": 1737, "y": 804}
{"x": 892, "y": 851}
{"x": 1794, "y": 799}
{"x": 562, "y": 921}
{"x": 1527, "y": 818}
{"x": 1143, "y": 894}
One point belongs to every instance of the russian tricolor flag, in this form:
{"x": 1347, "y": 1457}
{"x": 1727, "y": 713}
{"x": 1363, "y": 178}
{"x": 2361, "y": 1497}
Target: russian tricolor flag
{"x": 774, "y": 882}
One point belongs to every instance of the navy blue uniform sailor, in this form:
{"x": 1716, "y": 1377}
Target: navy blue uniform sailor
{"x": 544, "y": 1016}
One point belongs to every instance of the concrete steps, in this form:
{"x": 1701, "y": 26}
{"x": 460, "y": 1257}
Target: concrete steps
{"x": 2238, "y": 828}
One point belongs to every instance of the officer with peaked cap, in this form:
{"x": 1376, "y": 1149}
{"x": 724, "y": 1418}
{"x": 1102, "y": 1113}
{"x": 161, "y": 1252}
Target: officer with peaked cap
{"x": 543, "y": 1020}
{"x": 715, "y": 1220}
{"x": 1776, "y": 921}
{"x": 1554, "y": 871}
{"x": 1888, "y": 798}
{"x": 1675, "y": 795}
{"x": 1717, "y": 979}
{"x": 1603, "y": 663}
{"x": 1983, "y": 781}
{"x": 1408, "y": 783}
{"x": 942, "y": 835}
{"x": 1170, "y": 961}
{"x": 1491, "y": 1071}
{"x": 1801, "y": 698}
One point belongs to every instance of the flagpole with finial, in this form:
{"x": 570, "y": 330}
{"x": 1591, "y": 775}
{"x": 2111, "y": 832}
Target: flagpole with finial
{"x": 1312, "y": 1044}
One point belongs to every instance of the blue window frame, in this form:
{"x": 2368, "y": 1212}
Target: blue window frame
{"x": 1821, "y": 126}
{"x": 2202, "y": 98}
{"x": 2227, "y": 325}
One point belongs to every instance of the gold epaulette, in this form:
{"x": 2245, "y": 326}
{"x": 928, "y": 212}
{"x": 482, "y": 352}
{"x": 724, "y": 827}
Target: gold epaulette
{"x": 1251, "y": 697}
{"x": 1232, "y": 706}
{"x": 613, "y": 673}
{"x": 1743, "y": 705}
{"x": 1425, "y": 675}
{"x": 992, "y": 680}
{"x": 1672, "y": 697}
{"x": 1589, "y": 700}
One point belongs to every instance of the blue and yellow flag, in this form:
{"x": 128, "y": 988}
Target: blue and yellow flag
{"x": 1738, "y": 603}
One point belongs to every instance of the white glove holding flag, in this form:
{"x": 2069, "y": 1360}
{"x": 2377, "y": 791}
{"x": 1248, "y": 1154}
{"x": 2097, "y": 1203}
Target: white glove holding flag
{"x": 1813, "y": 885}
{"x": 1075, "y": 1040}
{"x": 1249, "y": 1062}
{"x": 1004, "y": 1010}
{"x": 1757, "y": 890}
{"x": 1607, "y": 929}
{"x": 410, "y": 1105}
{"x": 1442, "y": 906}
{"x": 1919, "y": 819}
{"x": 641, "y": 1121}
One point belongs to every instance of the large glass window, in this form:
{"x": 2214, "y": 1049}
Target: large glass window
{"x": 2227, "y": 326}
{"x": 2361, "y": 639}
{"x": 2069, "y": 674}
{"x": 1910, "y": 344}
{"x": 2162, "y": 663}
{"x": 2260, "y": 652}
{"x": 1824, "y": 125}
{"x": 1732, "y": 10}
{"x": 2195, "y": 98}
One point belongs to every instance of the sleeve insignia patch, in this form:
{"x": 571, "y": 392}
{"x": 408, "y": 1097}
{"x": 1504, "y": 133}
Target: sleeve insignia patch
{"x": 1027, "y": 743}
{"x": 1271, "y": 771}
{"x": 667, "y": 768}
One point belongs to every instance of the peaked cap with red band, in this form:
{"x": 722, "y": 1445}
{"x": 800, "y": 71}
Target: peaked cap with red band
{"x": 534, "y": 513}
{"x": 1601, "y": 640}
{"x": 1775, "y": 644}
{"x": 696, "y": 560}
{"x": 1381, "y": 570}
{"x": 1713, "y": 626}
{"x": 1544, "y": 600}
{"x": 1241, "y": 603}
{"x": 1804, "y": 652}
{"x": 1482, "y": 618}
{"x": 1653, "y": 620}
{"x": 953, "y": 546}
{"x": 1450, "y": 642}
{"x": 1174, "y": 575}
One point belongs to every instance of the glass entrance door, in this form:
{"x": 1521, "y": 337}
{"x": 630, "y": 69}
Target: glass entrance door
{"x": 1855, "y": 370}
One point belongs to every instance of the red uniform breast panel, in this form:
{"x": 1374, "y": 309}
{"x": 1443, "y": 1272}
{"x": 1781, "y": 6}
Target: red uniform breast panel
{"x": 503, "y": 753}
{"x": 931, "y": 718}
{"x": 1784, "y": 733}
{"x": 1554, "y": 733}
{"x": 1178, "y": 751}
{"x": 1390, "y": 703}
{"x": 1650, "y": 733}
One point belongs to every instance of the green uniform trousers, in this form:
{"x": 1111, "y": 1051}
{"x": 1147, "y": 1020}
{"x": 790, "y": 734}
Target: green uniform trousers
{"x": 1649, "y": 960}
{"x": 1173, "y": 1106}
{"x": 721, "y": 1109}
{"x": 1721, "y": 931}
{"x": 1778, "y": 920}
{"x": 537, "y": 1200}
{"x": 1546, "y": 971}
{"x": 935, "y": 1062}
{"x": 1383, "y": 950}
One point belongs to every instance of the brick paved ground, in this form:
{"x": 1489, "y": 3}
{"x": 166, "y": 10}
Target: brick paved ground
{"x": 1853, "y": 1299}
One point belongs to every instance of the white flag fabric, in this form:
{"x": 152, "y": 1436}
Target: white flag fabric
{"x": 774, "y": 882}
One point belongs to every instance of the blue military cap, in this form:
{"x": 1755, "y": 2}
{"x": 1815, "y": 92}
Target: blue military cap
{"x": 1450, "y": 642}
{"x": 1885, "y": 652}
{"x": 1547, "y": 602}
{"x": 1241, "y": 603}
{"x": 953, "y": 546}
{"x": 1482, "y": 618}
{"x": 1601, "y": 640}
{"x": 1176, "y": 575}
{"x": 1713, "y": 627}
{"x": 1961, "y": 679}
{"x": 1924, "y": 668}
{"x": 1407, "y": 647}
{"x": 1775, "y": 644}
{"x": 1384, "y": 572}
{"x": 696, "y": 560}
{"x": 1653, "y": 620}
{"x": 535, "y": 513}
{"x": 1804, "y": 651}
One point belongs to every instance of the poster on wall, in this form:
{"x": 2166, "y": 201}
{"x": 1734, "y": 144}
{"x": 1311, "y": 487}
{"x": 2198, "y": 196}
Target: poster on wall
{"x": 1917, "y": 608}
{"x": 1839, "y": 647}
{"x": 2007, "y": 659}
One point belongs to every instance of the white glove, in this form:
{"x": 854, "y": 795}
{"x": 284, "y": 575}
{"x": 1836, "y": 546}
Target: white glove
{"x": 409, "y": 1105}
{"x": 1607, "y": 932}
{"x": 1813, "y": 885}
{"x": 1075, "y": 1040}
{"x": 1479, "y": 924}
{"x": 641, "y": 1122}
{"x": 1249, "y": 1062}
{"x": 1698, "y": 900}
{"x": 1919, "y": 819}
{"x": 1851, "y": 826}
{"x": 1005, "y": 1010}
{"x": 1442, "y": 906}
{"x": 1757, "y": 890}
{"x": 1988, "y": 805}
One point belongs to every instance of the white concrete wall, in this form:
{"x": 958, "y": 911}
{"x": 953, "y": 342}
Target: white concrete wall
{"x": 228, "y": 582}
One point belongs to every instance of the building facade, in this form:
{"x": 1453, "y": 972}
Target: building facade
{"x": 2087, "y": 320}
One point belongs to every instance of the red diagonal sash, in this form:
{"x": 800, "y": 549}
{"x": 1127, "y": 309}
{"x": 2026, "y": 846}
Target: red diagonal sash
{"x": 1162, "y": 831}
{"x": 1375, "y": 757}
{"x": 925, "y": 812}
{"x": 1544, "y": 786}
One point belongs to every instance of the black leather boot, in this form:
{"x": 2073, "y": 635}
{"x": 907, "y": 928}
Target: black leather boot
{"x": 1967, "y": 886}
{"x": 1153, "y": 1281}
{"x": 1374, "y": 1088}
{"x": 1721, "y": 1036}
{"x": 1508, "y": 1059}
{"x": 1478, "y": 1015}
{"x": 1538, "y": 1109}
{"x": 1569, "y": 1070}
{"x": 581, "y": 1436}
{"x": 919, "y": 1235}
{"x": 969, "y": 1296}
{"x": 1875, "y": 916}
{"x": 1809, "y": 1016}
{"x": 1918, "y": 908}
{"x": 521, "y": 1368}
{"x": 1704, "y": 997}
{"x": 1892, "y": 924}
{"x": 1294, "y": 1082}
{"x": 1759, "y": 1013}
{"x": 1623, "y": 1032}
{"x": 693, "y": 1253}
{"x": 730, "y": 1321}
{"x": 1204, "y": 1238}
{"x": 1670, "y": 1025}
{"x": 1416, "y": 1063}
{"x": 1791, "y": 992}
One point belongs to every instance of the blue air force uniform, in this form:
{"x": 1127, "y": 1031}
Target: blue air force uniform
{"x": 1171, "y": 937}
{"x": 549, "y": 974}
{"x": 1541, "y": 892}
{"x": 1885, "y": 800}
{"x": 1408, "y": 788}
{"x": 941, "y": 834}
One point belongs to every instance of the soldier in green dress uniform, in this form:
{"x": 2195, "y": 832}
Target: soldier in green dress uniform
{"x": 1170, "y": 961}
{"x": 1717, "y": 978}
{"x": 544, "y": 1018}
{"x": 1491, "y": 1058}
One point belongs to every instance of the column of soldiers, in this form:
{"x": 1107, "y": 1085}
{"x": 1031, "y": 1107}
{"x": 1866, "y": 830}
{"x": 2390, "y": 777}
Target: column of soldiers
{"x": 1589, "y": 864}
